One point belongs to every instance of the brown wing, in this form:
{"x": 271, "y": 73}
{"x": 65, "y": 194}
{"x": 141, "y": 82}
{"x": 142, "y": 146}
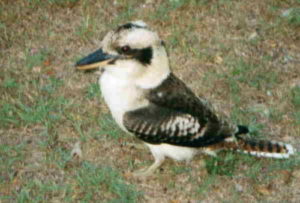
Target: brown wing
{"x": 174, "y": 94}
{"x": 154, "y": 124}
{"x": 176, "y": 116}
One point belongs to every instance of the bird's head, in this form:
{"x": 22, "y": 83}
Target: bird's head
{"x": 131, "y": 51}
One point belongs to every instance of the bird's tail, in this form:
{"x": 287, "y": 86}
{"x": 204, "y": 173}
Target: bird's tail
{"x": 259, "y": 148}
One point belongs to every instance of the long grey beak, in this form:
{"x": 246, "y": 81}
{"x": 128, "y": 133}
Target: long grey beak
{"x": 95, "y": 60}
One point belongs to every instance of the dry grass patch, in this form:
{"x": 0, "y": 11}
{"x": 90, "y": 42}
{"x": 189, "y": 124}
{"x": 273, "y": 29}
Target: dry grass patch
{"x": 241, "y": 55}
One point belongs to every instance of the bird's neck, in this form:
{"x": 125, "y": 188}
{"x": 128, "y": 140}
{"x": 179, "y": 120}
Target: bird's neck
{"x": 156, "y": 73}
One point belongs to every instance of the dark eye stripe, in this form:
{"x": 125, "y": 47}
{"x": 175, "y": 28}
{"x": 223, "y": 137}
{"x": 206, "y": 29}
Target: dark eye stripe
{"x": 128, "y": 26}
{"x": 144, "y": 55}
{"x": 125, "y": 49}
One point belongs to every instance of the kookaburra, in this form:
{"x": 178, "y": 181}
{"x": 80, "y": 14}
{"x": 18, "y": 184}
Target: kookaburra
{"x": 148, "y": 101}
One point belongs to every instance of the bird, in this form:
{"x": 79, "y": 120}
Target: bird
{"x": 147, "y": 100}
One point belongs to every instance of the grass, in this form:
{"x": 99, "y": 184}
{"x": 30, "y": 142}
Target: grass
{"x": 240, "y": 55}
{"x": 91, "y": 180}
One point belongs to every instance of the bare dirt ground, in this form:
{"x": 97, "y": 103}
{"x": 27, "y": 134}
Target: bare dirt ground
{"x": 244, "y": 56}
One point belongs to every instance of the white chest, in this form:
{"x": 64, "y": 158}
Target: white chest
{"x": 120, "y": 96}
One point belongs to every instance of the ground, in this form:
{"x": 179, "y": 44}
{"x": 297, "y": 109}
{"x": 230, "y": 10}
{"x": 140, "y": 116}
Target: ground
{"x": 58, "y": 142}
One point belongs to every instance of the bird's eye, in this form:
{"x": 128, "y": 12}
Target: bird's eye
{"x": 125, "y": 49}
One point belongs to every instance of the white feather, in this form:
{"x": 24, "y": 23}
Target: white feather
{"x": 140, "y": 23}
{"x": 175, "y": 152}
{"x": 120, "y": 96}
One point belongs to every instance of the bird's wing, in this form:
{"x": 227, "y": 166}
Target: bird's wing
{"x": 176, "y": 116}
{"x": 154, "y": 124}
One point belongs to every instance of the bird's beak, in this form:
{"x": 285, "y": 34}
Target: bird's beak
{"x": 95, "y": 60}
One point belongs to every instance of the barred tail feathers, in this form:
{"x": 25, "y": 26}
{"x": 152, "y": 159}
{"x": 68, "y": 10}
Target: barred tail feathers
{"x": 260, "y": 148}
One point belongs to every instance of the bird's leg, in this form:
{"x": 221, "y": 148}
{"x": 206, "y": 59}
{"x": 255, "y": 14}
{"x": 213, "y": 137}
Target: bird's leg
{"x": 135, "y": 145}
{"x": 148, "y": 171}
{"x": 209, "y": 151}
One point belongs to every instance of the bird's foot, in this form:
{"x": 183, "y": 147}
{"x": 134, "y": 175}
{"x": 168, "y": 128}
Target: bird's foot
{"x": 144, "y": 172}
{"x": 210, "y": 152}
{"x": 135, "y": 145}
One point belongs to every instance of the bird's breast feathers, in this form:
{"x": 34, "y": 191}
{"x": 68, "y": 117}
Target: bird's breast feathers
{"x": 120, "y": 96}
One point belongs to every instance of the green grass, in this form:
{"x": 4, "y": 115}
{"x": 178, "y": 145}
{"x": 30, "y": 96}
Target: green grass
{"x": 91, "y": 183}
{"x": 37, "y": 191}
{"x": 222, "y": 165}
{"x": 46, "y": 106}
{"x": 109, "y": 127}
{"x": 43, "y": 109}
{"x": 10, "y": 83}
{"x": 127, "y": 14}
{"x": 87, "y": 27}
{"x": 293, "y": 16}
{"x": 296, "y": 97}
{"x": 180, "y": 169}
{"x": 296, "y": 103}
{"x": 36, "y": 58}
{"x": 10, "y": 156}
{"x": 93, "y": 91}
{"x": 297, "y": 117}
{"x": 103, "y": 183}
{"x": 61, "y": 3}
{"x": 206, "y": 185}
{"x": 253, "y": 75}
